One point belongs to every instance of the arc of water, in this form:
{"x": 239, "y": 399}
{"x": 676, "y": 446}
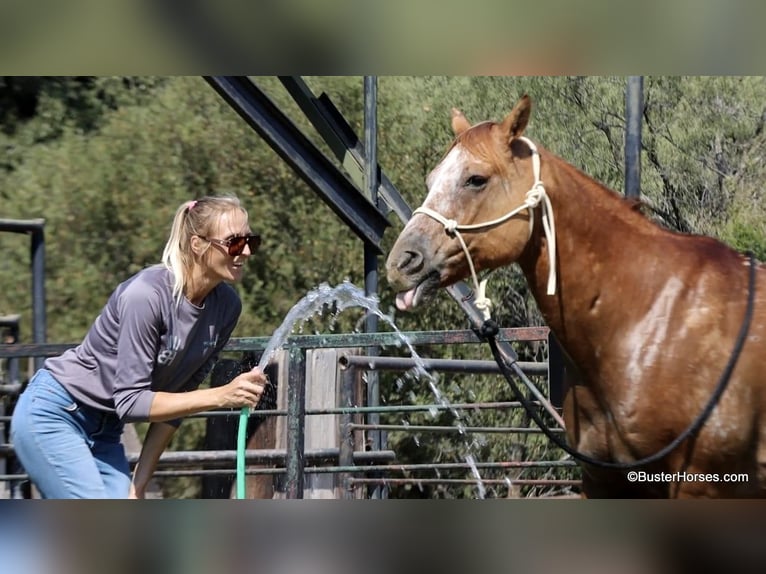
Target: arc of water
{"x": 344, "y": 296}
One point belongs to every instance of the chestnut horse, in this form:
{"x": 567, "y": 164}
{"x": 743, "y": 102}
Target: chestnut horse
{"x": 647, "y": 317}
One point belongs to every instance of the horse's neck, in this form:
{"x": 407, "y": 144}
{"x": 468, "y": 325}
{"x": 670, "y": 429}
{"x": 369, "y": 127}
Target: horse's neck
{"x": 589, "y": 252}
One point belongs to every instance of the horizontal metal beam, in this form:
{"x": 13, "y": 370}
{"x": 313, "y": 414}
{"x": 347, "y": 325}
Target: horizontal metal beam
{"x": 332, "y": 185}
{"x": 22, "y": 225}
{"x": 341, "y": 139}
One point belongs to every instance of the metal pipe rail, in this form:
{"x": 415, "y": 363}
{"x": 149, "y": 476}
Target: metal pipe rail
{"x": 375, "y": 363}
{"x": 362, "y": 410}
{"x": 186, "y": 472}
{"x": 10, "y": 388}
{"x": 465, "y": 466}
{"x": 450, "y": 429}
{"x": 487, "y": 481}
{"x": 219, "y": 458}
{"x": 333, "y": 340}
{"x": 408, "y": 468}
{"x": 356, "y": 410}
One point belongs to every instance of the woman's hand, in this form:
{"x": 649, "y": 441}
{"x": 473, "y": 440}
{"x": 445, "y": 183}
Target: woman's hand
{"x": 157, "y": 438}
{"x": 135, "y": 494}
{"x": 244, "y": 390}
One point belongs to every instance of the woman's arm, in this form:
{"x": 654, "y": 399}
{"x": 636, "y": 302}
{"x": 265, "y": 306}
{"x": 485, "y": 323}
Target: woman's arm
{"x": 157, "y": 439}
{"x": 244, "y": 390}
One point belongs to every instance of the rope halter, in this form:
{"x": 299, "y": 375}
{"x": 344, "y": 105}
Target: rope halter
{"x": 534, "y": 197}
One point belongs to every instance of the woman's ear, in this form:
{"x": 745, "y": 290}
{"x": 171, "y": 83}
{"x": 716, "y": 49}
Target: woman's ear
{"x": 198, "y": 245}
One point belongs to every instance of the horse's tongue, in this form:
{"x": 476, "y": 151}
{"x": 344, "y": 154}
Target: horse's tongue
{"x": 404, "y": 300}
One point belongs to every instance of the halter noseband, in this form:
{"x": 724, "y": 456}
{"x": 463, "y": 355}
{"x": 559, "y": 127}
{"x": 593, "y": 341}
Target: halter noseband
{"x": 534, "y": 197}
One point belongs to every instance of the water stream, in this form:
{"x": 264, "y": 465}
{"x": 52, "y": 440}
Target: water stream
{"x": 344, "y": 296}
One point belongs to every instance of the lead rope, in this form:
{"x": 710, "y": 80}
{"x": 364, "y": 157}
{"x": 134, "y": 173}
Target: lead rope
{"x": 534, "y": 197}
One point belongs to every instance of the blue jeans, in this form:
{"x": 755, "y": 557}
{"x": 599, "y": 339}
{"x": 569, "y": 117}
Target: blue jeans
{"x": 68, "y": 449}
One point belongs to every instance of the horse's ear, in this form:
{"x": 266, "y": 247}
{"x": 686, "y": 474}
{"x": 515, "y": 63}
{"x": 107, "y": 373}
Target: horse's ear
{"x": 459, "y": 122}
{"x": 516, "y": 122}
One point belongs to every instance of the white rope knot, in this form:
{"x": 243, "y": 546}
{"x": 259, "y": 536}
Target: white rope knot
{"x": 450, "y": 226}
{"x": 483, "y": 303}
{"x": 535, "y": 194}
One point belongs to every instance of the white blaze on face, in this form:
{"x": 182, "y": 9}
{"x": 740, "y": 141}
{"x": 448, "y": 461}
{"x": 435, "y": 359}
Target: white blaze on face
{"x": 443, "y": 183}
{"x": 445, "y": 179}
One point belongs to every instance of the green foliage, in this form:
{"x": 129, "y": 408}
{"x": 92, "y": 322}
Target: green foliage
{"x": 703, "y": 149}
{"x": 746, "y": 236}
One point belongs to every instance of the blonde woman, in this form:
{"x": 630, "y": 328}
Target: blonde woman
{"x": 143, "y": 359}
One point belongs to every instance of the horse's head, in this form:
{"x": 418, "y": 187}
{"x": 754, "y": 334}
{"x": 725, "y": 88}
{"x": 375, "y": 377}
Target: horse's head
{"x": 484, "y": 176}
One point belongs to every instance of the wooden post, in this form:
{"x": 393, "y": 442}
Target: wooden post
{"x": 322, "y": 389}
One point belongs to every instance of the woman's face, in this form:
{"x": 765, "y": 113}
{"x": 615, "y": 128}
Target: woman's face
{"x": 220, "y": 265}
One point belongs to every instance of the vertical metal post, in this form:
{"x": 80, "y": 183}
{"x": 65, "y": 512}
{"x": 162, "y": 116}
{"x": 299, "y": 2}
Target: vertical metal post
{"x": 38, "y": 290}
{"x": 34, "y": 227}
{"x": 557, "y": 386}
{"x": 372, "y": 182}
{"x": 634, "y": 109}
{"x": 296, "y": 422}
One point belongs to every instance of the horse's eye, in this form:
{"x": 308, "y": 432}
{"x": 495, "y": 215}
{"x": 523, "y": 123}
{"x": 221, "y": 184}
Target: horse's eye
{"x": 476, "y": 181}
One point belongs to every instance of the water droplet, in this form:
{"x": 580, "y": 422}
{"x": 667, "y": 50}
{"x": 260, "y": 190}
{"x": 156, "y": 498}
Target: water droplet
{"x": 475, "y": 472}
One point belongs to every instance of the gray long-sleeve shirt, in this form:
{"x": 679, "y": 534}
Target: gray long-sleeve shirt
{"x": 144, "y": 342}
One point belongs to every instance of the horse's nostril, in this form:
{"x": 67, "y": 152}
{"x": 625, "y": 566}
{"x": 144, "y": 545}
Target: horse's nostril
{"x": 411, "y": 262}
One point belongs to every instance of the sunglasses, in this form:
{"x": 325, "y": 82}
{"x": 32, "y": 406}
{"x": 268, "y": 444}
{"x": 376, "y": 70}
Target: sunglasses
{"x": 236, "y": 245}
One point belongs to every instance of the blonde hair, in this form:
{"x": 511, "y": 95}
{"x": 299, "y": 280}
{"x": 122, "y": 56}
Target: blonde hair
{"x": 197, "y": 217}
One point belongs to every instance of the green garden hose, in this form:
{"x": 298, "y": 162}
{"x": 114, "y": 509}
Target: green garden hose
{"x": 241, "y": 444}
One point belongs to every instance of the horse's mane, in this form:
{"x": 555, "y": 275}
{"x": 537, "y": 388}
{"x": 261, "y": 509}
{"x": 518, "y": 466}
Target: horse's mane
{"x": 629, "y": 209}
{"x": 637, "y": 214}
{"x": 636, "y": 204}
